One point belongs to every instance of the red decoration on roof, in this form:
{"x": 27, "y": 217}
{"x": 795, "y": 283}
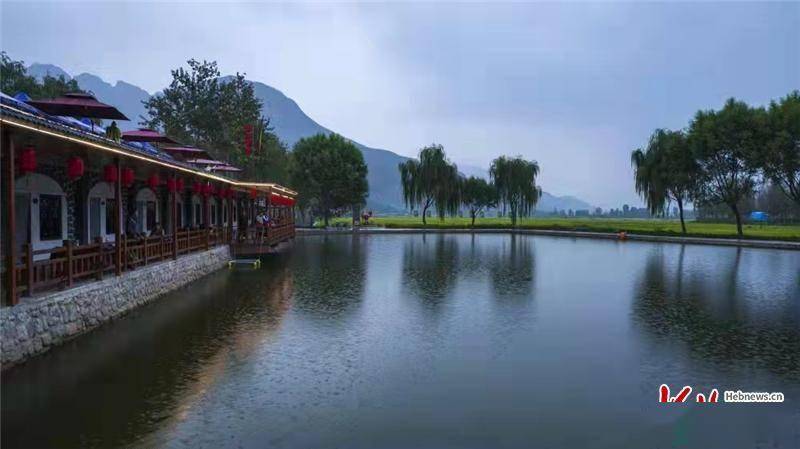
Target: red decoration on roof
{"x": 153, "y": 181}
{"x": 75, "y": 168}
{"x": 248, "y": 139}
{"x": 127, "y": 176}
{"x": 110, "y": 173}
{"x": 27, "y": 160}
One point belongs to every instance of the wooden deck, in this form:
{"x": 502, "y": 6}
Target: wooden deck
{"x": 260, "y": 241}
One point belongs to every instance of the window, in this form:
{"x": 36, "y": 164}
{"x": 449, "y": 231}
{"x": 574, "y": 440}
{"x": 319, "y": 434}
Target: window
{"x": 49, "y": 217}
{"x": 111, "y": 216}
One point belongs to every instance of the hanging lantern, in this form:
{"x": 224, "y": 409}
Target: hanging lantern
{"x": 153, "y": 181}
{"x": 207, "y": 189}
{"x": 179, "y": 184}
{"x": 110, "y": 173}
{"x": 75, "y": 168}
{"x": 171, "y": 185}
{"x": 127, "y": 176}
{"x": 253, "y": 193}
{"x": 221, "y": 192}
{"x": 197, "y": 188}
{"x": 27, "y": 160}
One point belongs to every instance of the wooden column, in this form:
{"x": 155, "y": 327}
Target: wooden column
{"x": 10, "y": 234}
{"x": 118, "y": 230}
{"x": 175, "y": 219}
{"x": 230, "y": 219}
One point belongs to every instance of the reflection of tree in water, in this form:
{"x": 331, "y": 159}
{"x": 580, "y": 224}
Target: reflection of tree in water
{"x": 136, "y": 373}
{"x": 329, "y": 274}
{"x": 430, "y": 266}
{"x": 511, "y": 268}
{"x": 669, "y": 305}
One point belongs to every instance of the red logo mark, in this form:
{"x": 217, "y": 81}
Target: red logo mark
{"x": 664, "y": 395}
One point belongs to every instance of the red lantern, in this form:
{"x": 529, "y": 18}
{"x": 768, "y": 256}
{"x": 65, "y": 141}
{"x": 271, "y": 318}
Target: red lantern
{"x": 179, "y": 184}
{"x": 127, "y": 176}
{"x": 153, "y": 181}
{"x": 197, "y": 188}
{"x": 75, "y": 168}
{"x": 171, "y": 185}
{"x": 253, "y": 193}
{"x": 27, "y": 160}
{"x": 110, "y": 173}
{"x": 208, "y": 189}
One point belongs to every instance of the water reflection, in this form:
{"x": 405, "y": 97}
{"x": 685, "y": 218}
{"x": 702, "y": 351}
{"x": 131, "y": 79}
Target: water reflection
{"x": 145, "y": 370}
{"x": 331, "y": 275}
{"x": 511, "y": 267}
{"x": 727, "y": 313}
{"x": 431, "y": 267}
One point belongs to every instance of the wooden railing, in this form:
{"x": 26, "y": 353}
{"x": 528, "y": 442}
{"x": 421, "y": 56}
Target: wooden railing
{"x": 61, "y": 267}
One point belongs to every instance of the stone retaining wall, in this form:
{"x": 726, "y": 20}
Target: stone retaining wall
{"x": 38, "y": 323}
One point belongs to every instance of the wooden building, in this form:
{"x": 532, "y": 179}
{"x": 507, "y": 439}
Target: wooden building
{"x": 78, "y": 206}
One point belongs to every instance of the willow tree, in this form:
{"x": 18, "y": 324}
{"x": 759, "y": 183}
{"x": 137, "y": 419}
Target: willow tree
{"x": 431, "y": 181}
{"x": 477, "y": 195}
{"x": 515, "y": 181}
{"x": 726, "y": 144}
{"x": 665, "y": 171}
{"x": 781, "y": 160}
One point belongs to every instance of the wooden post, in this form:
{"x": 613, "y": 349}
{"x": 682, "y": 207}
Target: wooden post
{"x": 100, "y": 258}
{"x": 230, "y": 220}
{"x": 118, "y": 231}
{"x": 144, "y": 249}
{"x": 68, "y": 244}
{"x": 175, "y": 221}
{"x": 29, "y": 268}
{"x": 11, "y": 225}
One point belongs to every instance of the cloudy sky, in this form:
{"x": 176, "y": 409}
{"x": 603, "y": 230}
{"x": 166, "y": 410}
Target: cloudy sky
{"x": 575, "y": 86}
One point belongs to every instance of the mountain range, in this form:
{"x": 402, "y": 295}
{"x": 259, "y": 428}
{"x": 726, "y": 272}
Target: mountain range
{"x": 291, "y": 124}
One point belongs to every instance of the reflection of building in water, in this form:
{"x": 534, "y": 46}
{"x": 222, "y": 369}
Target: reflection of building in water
{"x": 727, "y": 305}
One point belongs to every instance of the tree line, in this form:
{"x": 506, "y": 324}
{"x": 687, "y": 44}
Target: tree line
{"x": 432, "y": 181}
{"x": 722, "y": 158}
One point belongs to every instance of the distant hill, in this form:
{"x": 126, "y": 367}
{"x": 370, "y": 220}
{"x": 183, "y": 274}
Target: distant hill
{"x": 290, "y": 124}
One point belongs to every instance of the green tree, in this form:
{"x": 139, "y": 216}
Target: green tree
{"x": 665, "y": 171}
{"x": 14, "y": 78}
{"x": 515, "y": 181}
{"x": 329, "y": 172}
{"x": 781, "y": 158}
{"x": 726, "y": 144}
{"x": 477, "y": 195}
{"x": 202, "y": 109}
{"x": 431, "y": 181}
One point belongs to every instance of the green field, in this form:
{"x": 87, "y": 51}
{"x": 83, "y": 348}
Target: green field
{"x": 631, "y": 226}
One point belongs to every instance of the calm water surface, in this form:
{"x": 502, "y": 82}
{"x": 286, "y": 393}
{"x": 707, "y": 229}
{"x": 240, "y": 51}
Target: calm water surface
{"x": 437, "y": 341}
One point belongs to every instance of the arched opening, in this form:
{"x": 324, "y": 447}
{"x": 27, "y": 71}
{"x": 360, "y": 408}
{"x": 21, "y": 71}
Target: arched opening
{"x": 196, "y": 211}
{"x": 41, "y": 212}
{"x": 101, "y": 213}
{"x": 147, "y": 214}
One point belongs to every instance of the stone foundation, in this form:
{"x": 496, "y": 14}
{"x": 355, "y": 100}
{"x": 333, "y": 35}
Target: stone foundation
{"x": 38, "y": 323}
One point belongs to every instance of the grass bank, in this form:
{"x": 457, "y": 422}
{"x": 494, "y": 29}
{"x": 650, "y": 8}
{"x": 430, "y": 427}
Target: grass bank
{"x": 631, "y": 226}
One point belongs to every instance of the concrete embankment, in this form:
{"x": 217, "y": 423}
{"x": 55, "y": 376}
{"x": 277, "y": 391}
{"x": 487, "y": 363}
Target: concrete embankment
{"x": 44, "y": 321}
{"x": 745, "y": 243}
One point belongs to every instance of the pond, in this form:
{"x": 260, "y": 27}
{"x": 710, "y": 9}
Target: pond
{"x": 436, "y": 341}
